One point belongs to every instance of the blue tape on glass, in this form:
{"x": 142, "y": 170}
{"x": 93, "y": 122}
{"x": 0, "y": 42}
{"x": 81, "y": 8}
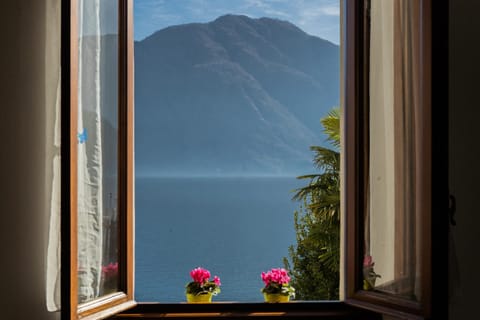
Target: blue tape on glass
{"x": 82, "y": 137}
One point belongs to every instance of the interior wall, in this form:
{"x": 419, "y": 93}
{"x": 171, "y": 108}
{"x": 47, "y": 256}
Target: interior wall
{"x": 24, "y": 79}
{"x": 464, "y": 160}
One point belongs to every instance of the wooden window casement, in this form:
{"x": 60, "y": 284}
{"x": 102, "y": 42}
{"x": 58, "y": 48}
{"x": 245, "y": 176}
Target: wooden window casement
{"x": 419, "y": 208}
{"x": 112, "y": 77}
{"x": 418, "y": 141}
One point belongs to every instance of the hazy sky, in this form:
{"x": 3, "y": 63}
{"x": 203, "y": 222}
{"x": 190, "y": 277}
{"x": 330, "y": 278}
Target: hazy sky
{"x": 316, "y": 17}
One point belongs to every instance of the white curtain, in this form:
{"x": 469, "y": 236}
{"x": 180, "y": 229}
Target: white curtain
{"x": 90, "y": 163}
{"x": 97, "y": 158}
{"x": 394, "y": 225}
{"x": 379, "y": 227}
{"x": 52, "y": 150}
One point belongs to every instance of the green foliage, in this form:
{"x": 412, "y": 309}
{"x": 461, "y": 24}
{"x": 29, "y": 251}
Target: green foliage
{"x": 331, "y": 127}
{"x": 277, "y": 288}
{"x": 315, "y": 260}
{"x": 197, "y": 288}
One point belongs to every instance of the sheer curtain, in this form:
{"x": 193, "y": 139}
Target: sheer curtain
{"x": 381, "y": 104}
{"x": 97, "y": 154}
{"x": 393, "y": 224}
{"x": 379, "y": 225}
{"x": 52, "y": 169}
{"x": 90, "y": 162}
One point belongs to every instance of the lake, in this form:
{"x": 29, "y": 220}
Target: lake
{"x": 234, "y": 227}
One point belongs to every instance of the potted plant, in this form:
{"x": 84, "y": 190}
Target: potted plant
{"x": 201, "y": 289}
{"x": 277, "y": 287}
{"x": 369, "y": 275}
{"x": 110, "y": 278}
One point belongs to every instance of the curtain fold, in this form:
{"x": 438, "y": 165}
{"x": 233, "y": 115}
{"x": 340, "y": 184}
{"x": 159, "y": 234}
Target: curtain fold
{"x": 379, "y": 222}
{"x": 90, "y": 162}
{"x": 394, "y": 221}
{"x": 52, "y": 154}
{"x": 54, "y": 243}
{"x": 97, "y": 153}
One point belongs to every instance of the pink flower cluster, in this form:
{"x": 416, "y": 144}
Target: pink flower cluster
{"x": 279, "y": 276}
{"x": 110, "y": 270}
{"x": 368, "y": 261}
{"x": 216, "y": 280}
{"x": 202, "y": 276}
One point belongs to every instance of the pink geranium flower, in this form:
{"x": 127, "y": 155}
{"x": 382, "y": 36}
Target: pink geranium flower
{"x": 279, "y": 276}
{"x": 216, "y": 280}
{"x": 110, "y": 270}
{"x": 201, "y": 283}
{"x": 200, "y": 275}
{"x": 368, "y": 261}
{"x": 277, "y": 281}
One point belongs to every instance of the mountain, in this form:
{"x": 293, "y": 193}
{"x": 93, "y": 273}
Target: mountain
{"x": 233, "y": 96}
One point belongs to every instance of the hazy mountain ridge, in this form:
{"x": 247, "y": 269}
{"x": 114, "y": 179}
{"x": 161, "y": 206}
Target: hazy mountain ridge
{"x": 236, "y": 95}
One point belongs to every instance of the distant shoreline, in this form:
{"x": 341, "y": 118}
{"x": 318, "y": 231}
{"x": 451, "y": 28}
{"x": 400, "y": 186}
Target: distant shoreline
{"x": 196, "y": 176}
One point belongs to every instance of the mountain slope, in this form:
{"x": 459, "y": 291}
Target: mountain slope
{"x": 233, "y": 96}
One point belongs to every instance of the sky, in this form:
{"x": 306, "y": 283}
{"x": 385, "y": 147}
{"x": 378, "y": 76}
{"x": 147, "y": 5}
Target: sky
{"x": 316, "y": 17}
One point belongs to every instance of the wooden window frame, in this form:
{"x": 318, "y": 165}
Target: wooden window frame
{"x": 123, "y": 299}
{"x": 357, "y": 304}
{"x": 432, "y": 179}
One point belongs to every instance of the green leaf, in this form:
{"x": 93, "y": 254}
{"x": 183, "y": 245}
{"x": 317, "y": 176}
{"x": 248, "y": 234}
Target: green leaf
{"x": 315, "y": 259}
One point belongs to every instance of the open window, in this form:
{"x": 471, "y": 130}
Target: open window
{"x": 396, "y": 188}
{"x": 394, "y": 166}
{"x": 97, "y": 167}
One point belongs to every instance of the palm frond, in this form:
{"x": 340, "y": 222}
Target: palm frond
{"x": 309, "y": 176}
{"x": 331, "y": 127}
{"x": 326, "y": 159}
{"x": 319, "y": 186}
{"x": 330, "y": 258}
{"x": 315, "y": 259}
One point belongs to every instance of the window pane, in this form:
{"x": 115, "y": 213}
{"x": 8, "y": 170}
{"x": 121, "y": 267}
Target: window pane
{"x": 392, "y": 227}
{"x": 229, "y": 96}
{"x": 97, "y": 149}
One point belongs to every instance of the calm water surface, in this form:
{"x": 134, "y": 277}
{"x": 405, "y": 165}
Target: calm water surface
{"x": 235, "y": 227}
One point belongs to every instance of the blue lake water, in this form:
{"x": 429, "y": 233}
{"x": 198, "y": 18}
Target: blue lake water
{"x": 235, "y": 227}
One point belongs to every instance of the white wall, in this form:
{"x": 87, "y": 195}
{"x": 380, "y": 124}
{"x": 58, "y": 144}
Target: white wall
{"x": 465, "y": 153}
{"x": 25, "y": 76}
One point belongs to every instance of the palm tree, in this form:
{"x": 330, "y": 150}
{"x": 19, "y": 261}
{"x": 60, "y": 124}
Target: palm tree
{"x": 316, "y": 257}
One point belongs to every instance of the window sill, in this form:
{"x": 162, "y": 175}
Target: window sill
{"x": 217, "y": 310}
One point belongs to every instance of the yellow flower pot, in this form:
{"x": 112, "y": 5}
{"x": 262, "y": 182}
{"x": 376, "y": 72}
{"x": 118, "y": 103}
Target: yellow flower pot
{"x": 200, "y": 298}
{"x": 275, "y": 297}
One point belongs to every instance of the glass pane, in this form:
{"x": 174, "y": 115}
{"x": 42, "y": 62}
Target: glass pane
{"x": 392, "y": 226}
{"x": 228, "y": 101}
{"x": 97, "y": 149}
